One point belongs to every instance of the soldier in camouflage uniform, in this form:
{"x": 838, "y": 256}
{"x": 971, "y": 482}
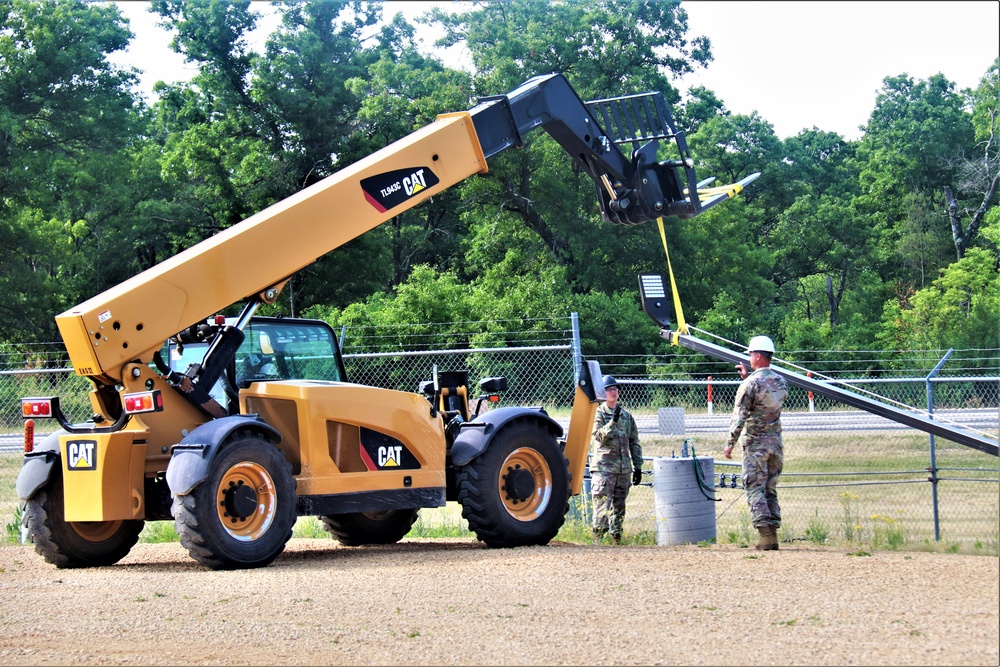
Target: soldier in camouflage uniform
{"x": 756, "y": 424}
{"x": 616, "y": 464}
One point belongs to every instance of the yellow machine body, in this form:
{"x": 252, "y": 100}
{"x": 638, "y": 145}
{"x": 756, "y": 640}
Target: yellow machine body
{"x": 345, "y": 438}
{"x": 103, "y": 474}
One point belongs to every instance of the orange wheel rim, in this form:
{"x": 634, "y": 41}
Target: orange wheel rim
{"x": 525, "y": 484}
{"x": 96, "y": 531}
{"x": 246, "y": 501}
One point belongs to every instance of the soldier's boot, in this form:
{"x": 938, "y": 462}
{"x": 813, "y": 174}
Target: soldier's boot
{"x": 766, "y": 537}
{"x": 598, "y": 533}
{"x": 616, "y": 538}
{"x": 773, "y": 539}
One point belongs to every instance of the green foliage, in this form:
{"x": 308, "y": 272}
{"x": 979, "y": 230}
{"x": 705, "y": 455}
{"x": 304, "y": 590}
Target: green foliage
{"x": 961, "y": 309}
{"x": 159, "y": 532}
{"x": 838, "y": 244}
{"x": 67, "y": 119}
{"x": 12, "y": 530}
{"x": 309, "y": 527}
{"x": 817, "y": 533}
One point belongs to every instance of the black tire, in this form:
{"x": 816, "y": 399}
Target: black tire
{"x": 68, "y": 544}
{"x": 516, "y": 493}
{"x": 360, "y": 528}
{"x": 243, "y": 514}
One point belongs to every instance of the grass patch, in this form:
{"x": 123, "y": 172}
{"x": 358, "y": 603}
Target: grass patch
{"x": 309, "y": 527}
{"x": 884, "y": 502}
{"x": 159, "y": 532}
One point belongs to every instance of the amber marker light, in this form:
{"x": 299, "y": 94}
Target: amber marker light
{"x": 144, "y": 401}
{"x": 37, "y": 407}
{"x": 29, "y": 436}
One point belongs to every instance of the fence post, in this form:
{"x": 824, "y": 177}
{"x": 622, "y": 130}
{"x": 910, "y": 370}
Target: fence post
{"x": 812, "y": 404}
{"x": 711, "y": 410}
{"x": 343, "y": 335}
{"x": 575, "y": 347}
{"x": 933, "y": 468}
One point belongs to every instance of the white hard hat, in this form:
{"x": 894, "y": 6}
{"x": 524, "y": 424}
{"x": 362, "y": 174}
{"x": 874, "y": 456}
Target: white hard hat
{"x": 761, "y": 344}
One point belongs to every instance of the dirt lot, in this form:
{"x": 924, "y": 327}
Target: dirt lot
{"x": 454, "y": 602}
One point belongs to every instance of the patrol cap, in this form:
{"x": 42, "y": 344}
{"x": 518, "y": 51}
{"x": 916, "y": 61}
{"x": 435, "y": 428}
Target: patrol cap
{"x": 761, "y": 344}
{"x": 610, "y": 381}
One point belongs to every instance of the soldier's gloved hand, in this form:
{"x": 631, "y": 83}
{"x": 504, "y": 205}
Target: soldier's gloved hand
{"x": 636, "y": 476}
{"x": 617, "y": 414}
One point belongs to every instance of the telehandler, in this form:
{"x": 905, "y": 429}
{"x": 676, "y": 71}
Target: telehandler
{"x": 251, "y": 422}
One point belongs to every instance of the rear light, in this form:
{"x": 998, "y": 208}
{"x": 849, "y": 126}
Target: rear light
{"x": 39, "y": 407}
{"x": 144, "y": 401}
{"x": 29, "y": 436}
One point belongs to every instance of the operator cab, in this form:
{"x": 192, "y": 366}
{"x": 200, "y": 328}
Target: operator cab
{"x": 274, "y": 348}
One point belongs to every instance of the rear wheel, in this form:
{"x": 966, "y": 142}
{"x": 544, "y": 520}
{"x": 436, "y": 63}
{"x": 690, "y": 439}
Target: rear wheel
{"x": 516, "y": 493}
{"x": 242, "y": 515}
{"x": 68, "y": 544}
{"x": 360, "y": 528}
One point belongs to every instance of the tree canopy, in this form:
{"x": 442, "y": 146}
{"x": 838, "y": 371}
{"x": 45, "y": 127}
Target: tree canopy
{"x": 890, "y": 241}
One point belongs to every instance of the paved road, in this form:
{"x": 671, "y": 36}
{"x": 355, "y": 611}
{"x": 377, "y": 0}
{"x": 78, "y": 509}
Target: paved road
{"x": 986, "y": 420}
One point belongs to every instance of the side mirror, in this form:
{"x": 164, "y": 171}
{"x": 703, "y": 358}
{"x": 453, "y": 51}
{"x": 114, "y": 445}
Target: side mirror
{"x": 493, "y": 385}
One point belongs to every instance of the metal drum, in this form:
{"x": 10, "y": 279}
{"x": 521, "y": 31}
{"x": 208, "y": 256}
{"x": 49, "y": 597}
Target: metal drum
{"x": 683, "y": 491}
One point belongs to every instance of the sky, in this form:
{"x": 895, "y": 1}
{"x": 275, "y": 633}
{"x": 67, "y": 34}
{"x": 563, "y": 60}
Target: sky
{"x": 798, "y": 64}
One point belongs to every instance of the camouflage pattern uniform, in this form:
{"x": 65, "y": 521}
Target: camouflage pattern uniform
{"x": 756, "y": 425}
{"x": 616, "y": 454}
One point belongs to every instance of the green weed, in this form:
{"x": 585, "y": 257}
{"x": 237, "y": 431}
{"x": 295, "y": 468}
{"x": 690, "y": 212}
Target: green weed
{"x": 12, "y": 531}
{"x": 817, "y": 532}
{"x": 159, "y": 532}
{"x": 852, "y": 525}
{"x": 886, "y": 532}
{"x": 440, "y": 524}
{"x": 309, "y": 527}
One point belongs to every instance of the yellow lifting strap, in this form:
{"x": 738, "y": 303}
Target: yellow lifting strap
{"x": 730, "y": 191}
{"x": 678, "y": 311}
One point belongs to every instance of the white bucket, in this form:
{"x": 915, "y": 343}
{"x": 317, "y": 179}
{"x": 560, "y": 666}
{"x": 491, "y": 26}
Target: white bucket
{"x": 684, "y": 515}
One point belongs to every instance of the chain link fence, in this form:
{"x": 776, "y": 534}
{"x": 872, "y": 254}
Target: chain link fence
{"x": 849, "y": 475}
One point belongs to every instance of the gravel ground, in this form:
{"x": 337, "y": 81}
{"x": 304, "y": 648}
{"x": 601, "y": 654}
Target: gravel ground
{"x": 455, "y": 602}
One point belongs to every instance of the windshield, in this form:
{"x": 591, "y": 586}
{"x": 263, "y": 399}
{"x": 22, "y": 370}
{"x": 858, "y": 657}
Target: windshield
{"x": 273, "y": 349}
{"x": 288, "y": 350}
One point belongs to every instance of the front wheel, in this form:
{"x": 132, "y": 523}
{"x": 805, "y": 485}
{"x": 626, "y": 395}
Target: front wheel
{"x": 516, "y": 493}
{"x": 242, "y": 515}
{"x": 68, "y": 544}
{"x": 360, "y": 528}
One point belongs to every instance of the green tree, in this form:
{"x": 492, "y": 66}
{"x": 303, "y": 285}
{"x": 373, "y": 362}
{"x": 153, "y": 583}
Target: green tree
{"x": 603, "y": 48}
{"x": 911, "y": 140}
{"x": 67, "y": 125}
{"x": 961, "y": 309}
{"x": 978, "y": 174}
{"x": 251, "y": 129}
